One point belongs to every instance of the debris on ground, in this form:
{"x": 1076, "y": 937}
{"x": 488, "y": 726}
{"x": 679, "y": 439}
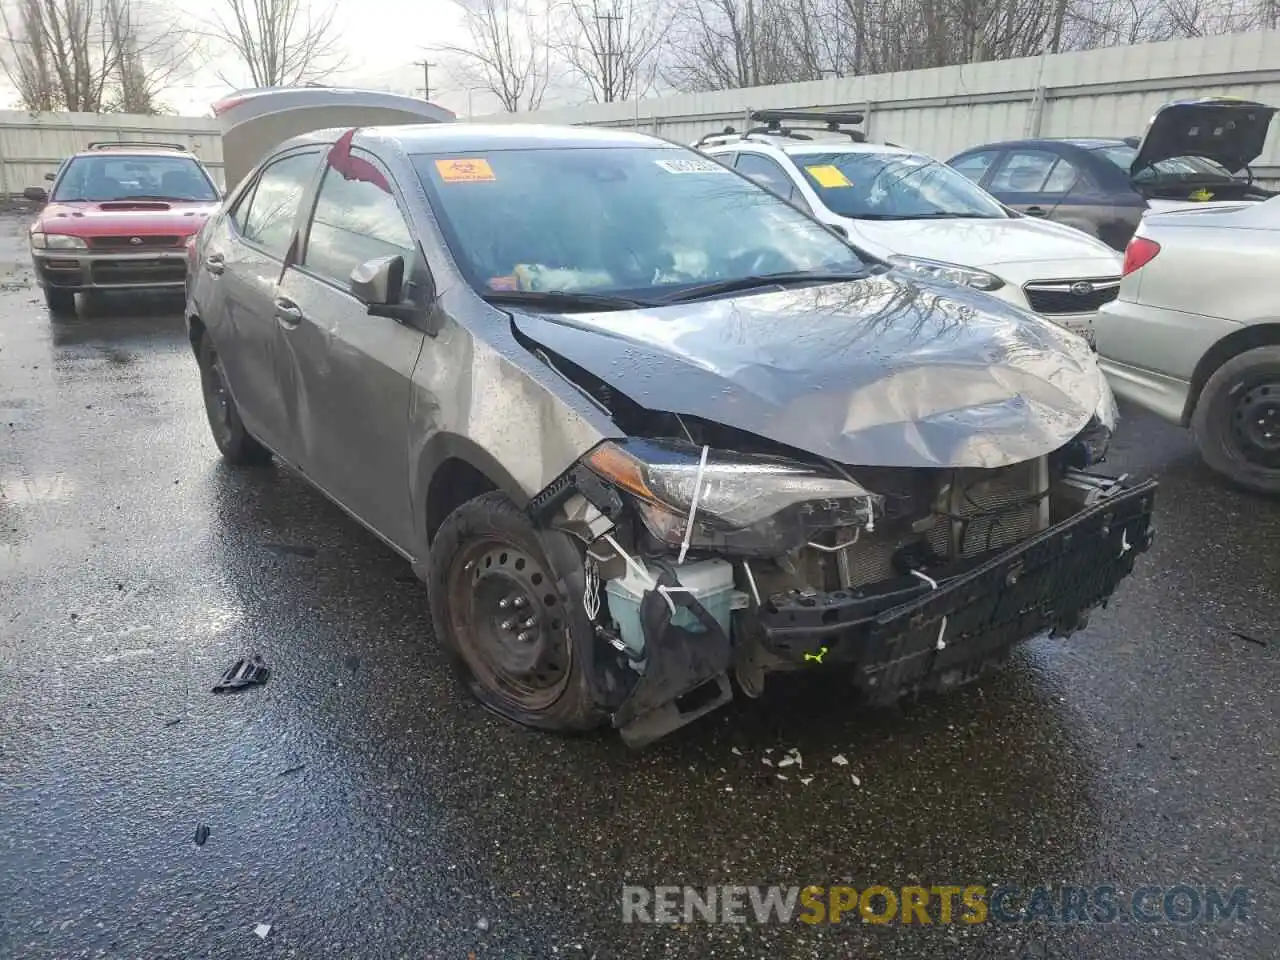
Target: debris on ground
{"x": 291, "y": 550}
{"x": 245, "y": 672}
{"x": 174, "y": 722}
{"x": 1247, "y": 638}
{"x": 294, "y": 769}
{"x": 840, "y": 760}
{"x": 262, "y": 930}
{"x": 856, "y": 781}
{"x": 735, "y": 751}
{"x": 806, "y": 780}
{"x": 482, "y": 924}
{"x": 202, "y": 834}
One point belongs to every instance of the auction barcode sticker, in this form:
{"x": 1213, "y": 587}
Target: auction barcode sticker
{"x": 692, "y": 165}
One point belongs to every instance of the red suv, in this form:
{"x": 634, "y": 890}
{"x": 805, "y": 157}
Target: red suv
{"x": 118, "y": 217}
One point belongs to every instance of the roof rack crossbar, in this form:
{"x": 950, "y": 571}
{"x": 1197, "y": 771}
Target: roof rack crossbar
{"x": 829, "y": 117}
{"x": 108, "y": 144}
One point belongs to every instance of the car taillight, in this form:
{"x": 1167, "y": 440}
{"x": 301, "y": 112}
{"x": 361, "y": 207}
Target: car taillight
{"x": 1138, "y": 254}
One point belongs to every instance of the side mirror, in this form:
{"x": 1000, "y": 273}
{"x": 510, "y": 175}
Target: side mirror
{"x": 37, "y": 194}
{"x": 51, "y": 177}
{"x": 380, "y": 284}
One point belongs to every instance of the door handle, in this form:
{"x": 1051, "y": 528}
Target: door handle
{"x": 1036, "y": 212}
{"x": 215, "y": 263}
{"x": 287, "y": 312}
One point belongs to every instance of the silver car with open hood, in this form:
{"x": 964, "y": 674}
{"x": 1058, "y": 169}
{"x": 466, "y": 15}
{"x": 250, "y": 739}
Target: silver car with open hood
{"x": 643, "y": 427}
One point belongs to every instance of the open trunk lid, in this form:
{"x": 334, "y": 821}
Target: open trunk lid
{"x": 255, "y": 121}
{"x": 1228, "y": 131}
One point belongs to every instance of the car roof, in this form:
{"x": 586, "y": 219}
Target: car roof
{"x": 807, "y": 146}
{"x": 416, "y": 138}
{"x": 1084, "y": 143}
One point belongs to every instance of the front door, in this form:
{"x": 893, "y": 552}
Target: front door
{"x": 246, "y": 269}
{"x": 351, "y": 372}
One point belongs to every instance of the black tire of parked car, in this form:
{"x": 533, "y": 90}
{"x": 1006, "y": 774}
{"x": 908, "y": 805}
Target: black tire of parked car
{"x": 61, "y": 303}
{"x": 1237, "y": 420}
{"x": 235, "y": 443}
{"x": 519, "y": 642}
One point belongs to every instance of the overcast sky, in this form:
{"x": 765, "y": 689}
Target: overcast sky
{"x": 382, "y": 39}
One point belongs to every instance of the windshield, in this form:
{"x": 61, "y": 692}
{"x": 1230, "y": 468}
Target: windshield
{"x": 631, "y": 221}
{"x": 133, "y": 176}
{"x": 1176, "y": 168}
{"x": 895, "y": 186}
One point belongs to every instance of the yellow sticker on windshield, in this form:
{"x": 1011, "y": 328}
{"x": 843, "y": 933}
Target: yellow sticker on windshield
{"x": 1201, "y": 195}
{"x": 829, "y": 176}
{"x": 468, "y": 170}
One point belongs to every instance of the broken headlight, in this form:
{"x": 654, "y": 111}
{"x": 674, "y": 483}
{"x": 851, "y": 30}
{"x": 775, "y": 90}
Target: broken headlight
{"x": 742, "y": 504}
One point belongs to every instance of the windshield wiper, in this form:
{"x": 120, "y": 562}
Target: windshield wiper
{"x": 565, "y": 299}
{"x": 946, "y": 215}
{"x": 762, "y": 280}
{"x": 937, "y": 215}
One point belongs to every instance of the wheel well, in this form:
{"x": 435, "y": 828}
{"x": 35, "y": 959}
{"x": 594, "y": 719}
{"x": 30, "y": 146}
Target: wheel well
{"x": 453, "y": 484}
{"x": 1247, "y": 338}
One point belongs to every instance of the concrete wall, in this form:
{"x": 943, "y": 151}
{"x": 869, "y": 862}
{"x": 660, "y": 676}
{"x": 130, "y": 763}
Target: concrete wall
{"x": 1098, "y": 92}
{"x": 1109, "y": 92}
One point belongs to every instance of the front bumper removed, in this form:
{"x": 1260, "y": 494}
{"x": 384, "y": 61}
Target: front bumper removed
{"x": 911, "y": 635}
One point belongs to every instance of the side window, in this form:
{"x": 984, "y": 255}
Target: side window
{"x": 766, "y": 173}
{"x": 355, "y": 219}
{"x": 975, "y": 165}
{"x": 1023, "y": 171}
{"x": 1062, "y": 177}
{"x": 268, "y": 221}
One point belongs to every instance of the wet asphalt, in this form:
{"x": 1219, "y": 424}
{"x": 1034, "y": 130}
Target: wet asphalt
{"x": 363, "y": 807}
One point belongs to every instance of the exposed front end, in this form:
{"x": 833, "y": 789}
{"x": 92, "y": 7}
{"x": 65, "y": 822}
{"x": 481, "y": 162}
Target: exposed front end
{"x": 703, "y": 564}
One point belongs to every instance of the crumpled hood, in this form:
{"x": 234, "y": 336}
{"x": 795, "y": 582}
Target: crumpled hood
{"x": 888, "y": 371}
{"x": 980, "y": 243}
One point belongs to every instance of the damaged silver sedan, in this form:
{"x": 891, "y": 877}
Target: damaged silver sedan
{"x": 642, "y": 427}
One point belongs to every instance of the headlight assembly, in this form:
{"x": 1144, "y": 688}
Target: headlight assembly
{"x": 56, "y": 241}
{"x": 953, "y": 272}
{"x": 746, "y": 505}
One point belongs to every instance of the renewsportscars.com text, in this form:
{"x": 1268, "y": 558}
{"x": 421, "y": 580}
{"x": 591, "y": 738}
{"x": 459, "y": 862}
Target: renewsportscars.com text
{"x": 939, "y": 904}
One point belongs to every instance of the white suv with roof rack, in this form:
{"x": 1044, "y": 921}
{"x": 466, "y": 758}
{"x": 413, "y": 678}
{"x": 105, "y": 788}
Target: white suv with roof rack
{"x": 918, "y": 214}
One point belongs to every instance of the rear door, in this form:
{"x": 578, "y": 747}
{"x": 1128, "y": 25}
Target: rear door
{"x": 770, "y": 174}
{"x": 244, "y": 263}
{"x": 349, "y": 372}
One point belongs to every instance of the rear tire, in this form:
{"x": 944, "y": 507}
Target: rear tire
{"x": 517, "y": 641}
{"x": 234, "y": 442}
{"x": 1237, "y": 420}
{"x": 61, "y": 303}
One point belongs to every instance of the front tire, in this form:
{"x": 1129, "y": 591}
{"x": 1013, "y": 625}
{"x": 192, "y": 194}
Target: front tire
{"x": 1237, "y": 420}
{"x": 519, "y": 643}
{"x": 61, "y": 303}
{"x": 235, "y": 443}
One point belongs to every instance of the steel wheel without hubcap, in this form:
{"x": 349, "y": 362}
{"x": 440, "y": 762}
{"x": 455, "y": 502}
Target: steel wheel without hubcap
{"x": 1255, "y": 423}
{"x": 508, "y": 618}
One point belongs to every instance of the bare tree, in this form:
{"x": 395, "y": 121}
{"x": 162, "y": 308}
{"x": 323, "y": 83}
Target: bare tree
{"x": 280, "y": 42}
{"x": 612, "y": 47}
{"x": 508, "y": 53}
{"x": 151, "y": 52}
{"x": 93, "y": 55}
